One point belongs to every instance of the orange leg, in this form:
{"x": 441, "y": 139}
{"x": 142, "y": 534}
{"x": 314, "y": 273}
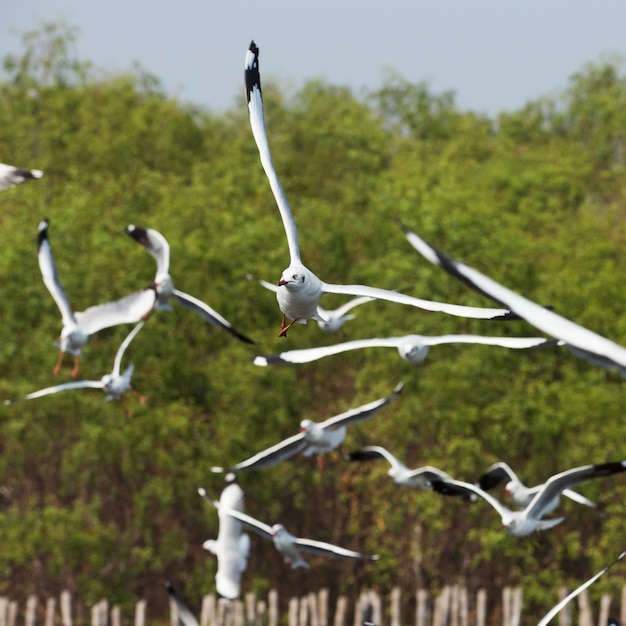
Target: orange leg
{"x": 75, "y": 370}
{"x": 57, "y": 367}
{"x": 285, "y": 327}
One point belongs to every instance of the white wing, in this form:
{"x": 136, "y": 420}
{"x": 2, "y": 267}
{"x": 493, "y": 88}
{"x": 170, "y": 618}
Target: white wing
{"x": 254, "y": 98}
{"x": 362, "y": 412}
{"x": 459, "y": 310}
{"x": 313, "y": 354}
{"x": 583, "y": 342}
{"x": 451, "y": 487}
{"x": 208, "y": 314}
{"x": 329, "y": 549}
{"x": 11, "y": 176}
{"x": 518, "y": 343}
{"x": 78, "y": 384}
{"x": 127, "y": 310}
{"x": 270, "y": 456}
{"x": 117, "y": 363}
{"x": 555, "y": 609}
{"x": 185, "y": 616}
{"x": 50, "y": 276}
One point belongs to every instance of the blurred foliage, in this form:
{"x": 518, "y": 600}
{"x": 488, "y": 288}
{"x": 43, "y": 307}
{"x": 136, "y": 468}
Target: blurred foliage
{"x": 108, "y": 506}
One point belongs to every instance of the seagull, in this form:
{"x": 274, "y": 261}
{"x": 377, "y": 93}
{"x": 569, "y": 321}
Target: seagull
{"x": 78, "y": 326}
{"x": 231, "y": 546}
{"x": 300, "y": 289}
{"x": 333, "y": 319}
{"x": 185, "y": 616}
{"x": 521, "y": 495}
{"x": 399, "y": 472}
{"x": 287, "y": 544}
{"x": 157, "y": 246}
{"x": 114, "y": 385}
{"x": 581, "y": 341}
{"x": 555, "y": 609}
{"x": 314, "y": 437}
{"x": 524, "y": 522}
{"x": 11, "y": 176}
{"x": 411, "y": 348}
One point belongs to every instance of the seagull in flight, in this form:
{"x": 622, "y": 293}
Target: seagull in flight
{"x": 231, "y": 546}
{"x": 114, "y": 385}
{"x": 521, "y": 495}
{"x": 300, "y": 289}
{"x": 314, "y": 437}
{"x": 524, "y": 522}
{"x": 411, "y": 348}
{"x": 334, "y": 319}
{"x": 157, "y": 246}
{"x": 10, "y": 176}
{"x": 581, "y": 341}
{"x": 77, "y": 326}
{"x": 287, "y": 544}
{"x": 419, "y": 477}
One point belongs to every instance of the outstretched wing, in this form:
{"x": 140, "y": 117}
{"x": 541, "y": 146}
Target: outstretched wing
{"x": 11, "y": 176}
{"x": 154, "y": 243}
{"x": 77, "y": 384}
{"x": 328, "y": 549}
{"x": 254, "y": 98}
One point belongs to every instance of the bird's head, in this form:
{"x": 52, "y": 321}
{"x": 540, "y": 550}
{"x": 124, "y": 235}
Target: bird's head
{"x": 413, "y": 350}
{"x": 277, "y": 529}
{"x": 292, "y": 277}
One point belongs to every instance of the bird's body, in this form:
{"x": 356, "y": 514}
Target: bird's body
{"x": 78, "y": 326}
{"x": 158, "y": 247}
{"x": 520, "y": 494}
{"x": 400, "y": 474}
{"x": 300, "y": 289}
{"x": 524, "y": 522}
{"x": 231, "y": 546}
{"x": 289, "y": 545}
{"x": 10, "y": 176}
{"x": 314, "y": 437}
{"x": 411, "y": 348}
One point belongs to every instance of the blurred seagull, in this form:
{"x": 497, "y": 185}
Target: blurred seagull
{"x": 185, "y": 616}
{"x": 78, "y": 326}
{"x": 300, "y": 289}
{"x": 287, "y": 544}
{"x": 334, "y": 319}
{"x": 524, "y": 522}
{"x": 555, "y": 609}
{"x": 114, "y": 385}
{"x": 231, "y": 546}
{"x": 11, "y": 176}
{"x": 399, "y": 472}
{"x": 411, "y": 348}
{"x": 314, "y": 437}
{"x": 584, "y": 343}
{"x": 521, "y": 495}
{"x": 157, "y": 246}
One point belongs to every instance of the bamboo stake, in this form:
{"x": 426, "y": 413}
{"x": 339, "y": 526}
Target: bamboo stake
{"x": 340, "y": 611}
{"x": 584, "y": 618}
{"x": 605, "y": 607}
{"x": 272, "y": 599}
{"x": 313, "y": 612}
{"x": 140, "y": 613}
{"x": 422, "y": 612}
{"x": 293, "y": 612}
{"x": 506, "y": 606}
{"x": 207, "y": 611}
{"x": 565, "y": 616}
{"x": 481, "y": 607}
{"x": 322, "y": 603}
{"x": 516, "y": 606}
{"x": 454, "y": 605}
{"x": 463, "y": 607}
{"x": 4, "y": 611}
{"x": 31, "y": 611}
{"x": 116, "y": 616}
{"x": 250, "y": 609}
{"x": 377, "y": 607}
{"x": 396, "y": 606}
{"x": 12, "y": 613}
{"x": 50, "y": 608}
{"x": 66, "y": 608}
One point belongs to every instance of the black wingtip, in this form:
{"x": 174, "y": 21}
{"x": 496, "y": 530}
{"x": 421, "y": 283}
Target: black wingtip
{"x": 252, "y": 76}
{"x": 42, "y": 231}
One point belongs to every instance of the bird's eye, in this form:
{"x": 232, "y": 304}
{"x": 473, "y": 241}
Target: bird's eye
{"x": 295, "y": 277}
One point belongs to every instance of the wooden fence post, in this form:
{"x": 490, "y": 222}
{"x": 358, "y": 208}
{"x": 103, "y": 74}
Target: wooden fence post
{"x": 272, "y": 613}
{"x": 322, "y": 603}
{"x": 311, "y": 602}
{"x": 50, "y": 608}
{"x": 31, "y": 611}
{"x": 422, "y": 612}
{"x": 605, "y": 607}
{"x": 395, "y": 606}
{"x": 293, "y": 612}
{"x": 463, "y": 607}
{"x": 516, "y": 606}
{"x": 565, "y": 616}
{"x": 66, "y": 608}
{"x": 4, "y": 611}
{"x": 207, "y": 611}
{"x": 340, "y": 611}
{"x": 116, "y": 616}
{"x": 140, "y": 613}
{"x": 584, "y": 617}
{"x": 481, "y": 607}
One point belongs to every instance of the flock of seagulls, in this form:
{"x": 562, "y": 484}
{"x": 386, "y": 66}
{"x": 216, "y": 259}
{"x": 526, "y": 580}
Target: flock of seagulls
{"x": 298, "y": 293}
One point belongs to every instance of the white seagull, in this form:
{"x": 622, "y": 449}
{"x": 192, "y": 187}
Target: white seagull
{"x": 334, "y": 319}
{"x": 11, "y": 176}
{"x": 156, "y": 245}
{"x": 555, "y": 609}
{"x": 314, "y": 437}
{"x": 287, "y": 544}
{"x": 185, "y": 616}
{"x": 521, "y": 495}
{"x": 114, "y": 385}
{"x": 77, "y": 326}
{"x": 419, "y": 477}
{"x": 583, "y": 342}
{"x": 411, "y": 348}
{"x": 300, "y": 289}
{"x": 231, "y": 546}
{"x": 524, "y": 522}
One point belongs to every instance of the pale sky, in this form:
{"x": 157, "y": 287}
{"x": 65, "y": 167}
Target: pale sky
{"x": 494, "y": 54}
